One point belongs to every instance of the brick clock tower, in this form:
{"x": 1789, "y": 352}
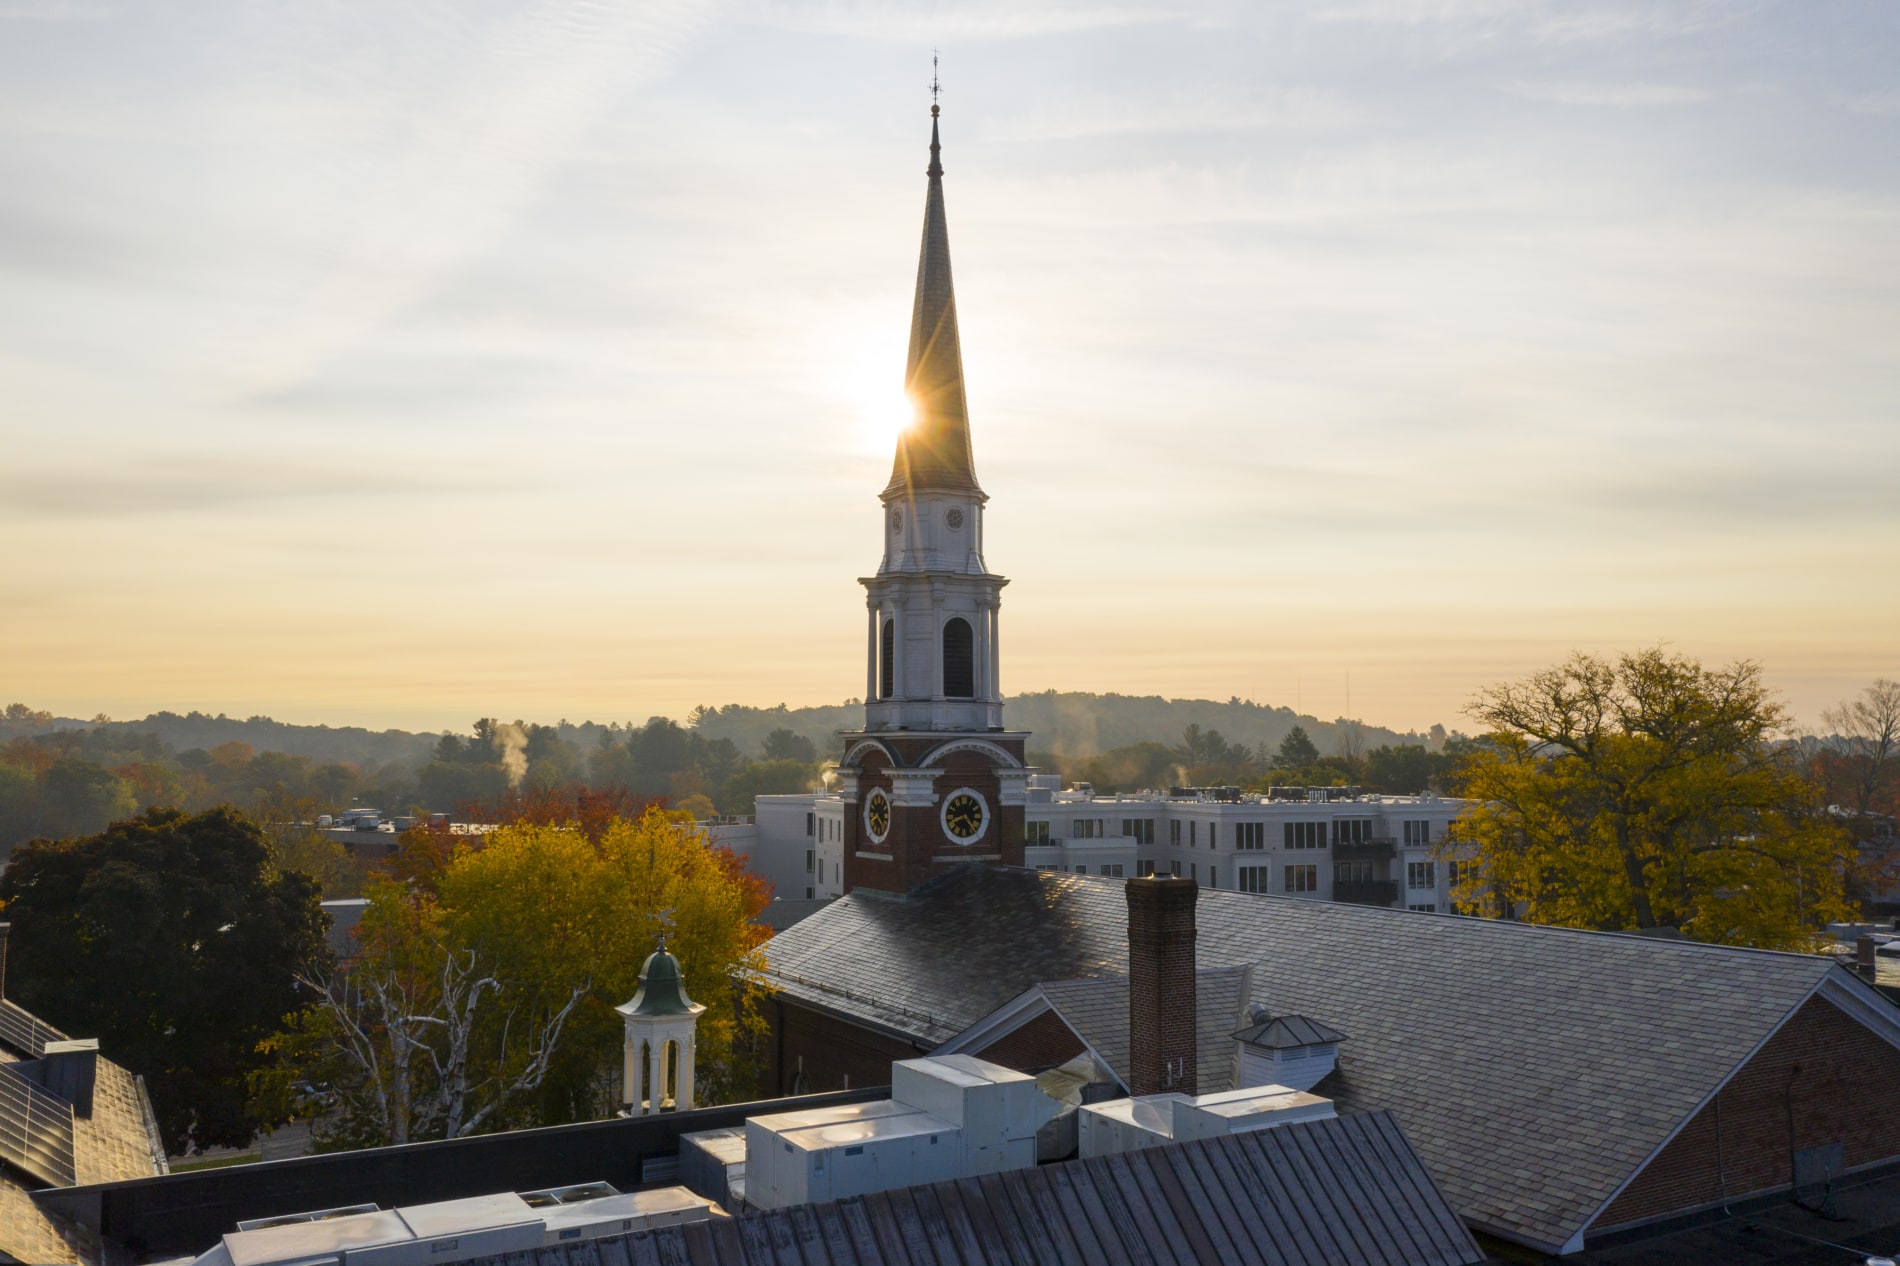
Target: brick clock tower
{"x": 934, "y": 779}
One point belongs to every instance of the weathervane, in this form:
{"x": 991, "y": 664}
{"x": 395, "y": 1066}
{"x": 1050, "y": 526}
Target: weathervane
{"x": 935, "y": 87}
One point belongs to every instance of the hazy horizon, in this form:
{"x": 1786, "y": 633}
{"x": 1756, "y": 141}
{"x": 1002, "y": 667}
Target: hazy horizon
{"x": 402, "y": 365}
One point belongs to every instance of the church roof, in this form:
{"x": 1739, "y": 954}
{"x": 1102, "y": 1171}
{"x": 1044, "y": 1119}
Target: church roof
{"x": 933, "y": 452}
{"x": 1535, "y": 1068}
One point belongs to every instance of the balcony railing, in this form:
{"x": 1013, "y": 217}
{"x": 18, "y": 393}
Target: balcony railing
{"x": 1366, "y": 892}
{"x": 1367, "y": 851}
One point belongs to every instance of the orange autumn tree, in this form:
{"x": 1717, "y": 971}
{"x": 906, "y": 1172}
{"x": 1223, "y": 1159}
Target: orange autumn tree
{"x": 547, "y": 904}
{"x": 510, "y": 951}
{"x": 1646, "y": 792}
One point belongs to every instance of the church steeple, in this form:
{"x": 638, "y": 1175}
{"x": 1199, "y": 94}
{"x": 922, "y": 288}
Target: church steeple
{"x": 933, "y": 453}
{"x": 934, "y": 778}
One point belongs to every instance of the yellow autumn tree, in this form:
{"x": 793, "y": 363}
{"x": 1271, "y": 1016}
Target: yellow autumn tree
{"x": 546, "y": 905}
{"x": 1648, "y": 792}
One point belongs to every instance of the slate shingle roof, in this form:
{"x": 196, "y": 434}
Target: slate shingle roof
{"x": 1534, "y": 1068}
{"x": 1319, "y": 1193}
{"x": 1097, "y": 1012}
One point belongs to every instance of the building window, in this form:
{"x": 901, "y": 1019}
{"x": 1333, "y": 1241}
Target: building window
{"x": 1419, "y": 875}
{"x": 1417, "y": 833}
{"x": 1174, "y": 833}
{"x": 808, "y": 823}
{"x": 1302, "y": 878}
{"x": 1213, "y": 829}
{"x": 1081, "y": 870}
{"x": 1174, "y": 868}
{"x": 1194, "y": 871}
{"x": 1212, "y": 882}
{"x": 808, "y": 856}
{"x": 1353, "y": 873}
{"x": 1142, "y": 829}
{"x": 959, "y": 659}
{"x": 1252, "y": 878}
{"x": 1352, "y": 830}
{"x": 1306, "y": 835}
{"x": 1423, "y": 909}
{"x": 1049, "y": 866}
{"x": 808, "y": 894}
{"x": 1086, "y": 829}
{"x": 1194, "y": 835}
{"x": 887, "y": 659}
{"x": 1144, "y": 869}
{"x": 1455, "y": 874}
{"x": 1035, "y": 832}
{"x": 1112, "y": 869}
{"x": 821, "y": 870}
{"x": 1250, "y": 835}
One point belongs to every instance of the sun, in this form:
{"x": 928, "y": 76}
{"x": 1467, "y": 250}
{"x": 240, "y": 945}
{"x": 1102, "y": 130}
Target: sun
{"x": 875, "y": 391}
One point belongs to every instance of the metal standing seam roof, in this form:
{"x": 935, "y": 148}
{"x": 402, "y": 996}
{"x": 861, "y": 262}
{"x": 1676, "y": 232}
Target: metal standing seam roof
{"x": 1534, "y": 1068}
{"x": 117, "y": 1141}
{"x": 23, "y": 1033}
{"x": 1286, "y": 1032}
{"x": 1318, "y": 1193}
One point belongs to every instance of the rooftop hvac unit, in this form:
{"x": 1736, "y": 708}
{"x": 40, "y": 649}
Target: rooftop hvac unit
{"x": 1126, "y": 1125}
{"x": 454, "y": 1231}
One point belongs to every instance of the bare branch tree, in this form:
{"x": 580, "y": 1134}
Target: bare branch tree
{"x": 412, "y": 1048}
{"x": 1870, "y": 728}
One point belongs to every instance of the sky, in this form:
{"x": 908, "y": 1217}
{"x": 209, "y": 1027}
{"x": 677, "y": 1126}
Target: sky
{"x": 398, "y": 364}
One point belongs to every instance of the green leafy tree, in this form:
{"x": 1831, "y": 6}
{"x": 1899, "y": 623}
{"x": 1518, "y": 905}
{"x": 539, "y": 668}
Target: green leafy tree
{"x": 1407, "y": 770}
{"x": 78, "y": 797}
{"x": 173, "y": 940}
{"x": 785, "y": 744}
{"x": 1648, "y": 792}
{"x": 1296, "y": 750}
{"x": 764, "y": 778}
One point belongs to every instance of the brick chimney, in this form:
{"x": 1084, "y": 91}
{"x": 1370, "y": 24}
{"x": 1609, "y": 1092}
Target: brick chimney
{"x": 1161, "y": 1004}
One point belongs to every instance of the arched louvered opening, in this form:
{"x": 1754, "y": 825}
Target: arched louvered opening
{"x": 959, "y": 659}
{"x": 886, "y": 659}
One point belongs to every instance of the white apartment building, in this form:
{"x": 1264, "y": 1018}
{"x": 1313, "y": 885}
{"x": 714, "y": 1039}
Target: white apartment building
{"x": 1331, "y": 844}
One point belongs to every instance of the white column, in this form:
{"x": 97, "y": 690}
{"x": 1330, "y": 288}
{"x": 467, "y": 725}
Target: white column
{"x": 936, "y": 640}
{"x": 686, "y": 1070}
{"x": 643, "y": 1097}
{"x": 996, "y": 648}
{"x": 870, "y": 647}
{"x": 980, "y": 653}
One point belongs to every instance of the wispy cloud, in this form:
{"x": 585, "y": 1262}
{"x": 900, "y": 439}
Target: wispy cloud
{"x": 1615, "y": 95}
{"x": 983, "y": 20}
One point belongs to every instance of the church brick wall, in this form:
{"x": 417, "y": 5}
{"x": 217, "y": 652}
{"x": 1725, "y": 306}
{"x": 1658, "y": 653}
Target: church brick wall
{"x": 831, "y": 1049}
{"x": 1835, "y": 1073}
{"x": 1042, "y": 1043}
{"x": 918, "y": 847}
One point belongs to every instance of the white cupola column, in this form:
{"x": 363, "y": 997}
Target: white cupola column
{"x": 661, "y": 1027}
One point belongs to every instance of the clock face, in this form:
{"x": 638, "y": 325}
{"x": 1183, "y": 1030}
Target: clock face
{"x": 897, "y": 519}
{"x": 877, "y": 815}
{"x": 965, "y": 815}
{"x": 954, "y": 518}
